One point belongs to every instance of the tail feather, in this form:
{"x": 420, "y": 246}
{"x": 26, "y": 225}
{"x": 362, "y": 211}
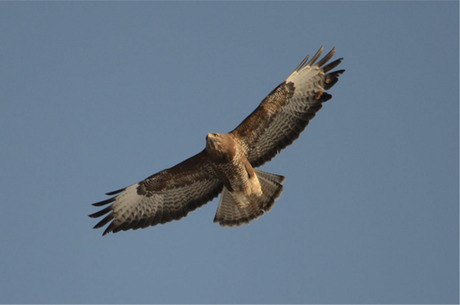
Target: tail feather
{"x": 229, "y": 213}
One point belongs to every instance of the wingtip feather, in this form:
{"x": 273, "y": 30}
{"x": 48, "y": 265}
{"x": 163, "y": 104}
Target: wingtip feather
{"x": 104, "y": 202}
{"x": 115, "y": 192}
{"x": 326, "y": 58}
{"x": 101, "y": 212}
{"x": 332, "y": 65}
{"x": 316, "y": 56}
{"x": 302, "y": 63}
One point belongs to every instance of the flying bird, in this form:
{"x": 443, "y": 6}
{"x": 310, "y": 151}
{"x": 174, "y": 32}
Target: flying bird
{"x": 228, "y": 163}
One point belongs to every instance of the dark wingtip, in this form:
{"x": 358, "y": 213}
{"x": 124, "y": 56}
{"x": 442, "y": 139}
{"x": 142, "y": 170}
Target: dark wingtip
{"x": 101, "y": 212}
{"x": 104, "y": 202}
{"x": 115, "y": 192}
{"x": 104, "y": 221}
{"x": 107, "y": 231}
{"x": 325, "y": 97}
{"x": 332, "y": 78}
{"x": 332, "y": 65}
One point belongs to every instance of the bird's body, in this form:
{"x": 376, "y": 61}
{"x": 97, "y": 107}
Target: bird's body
{"x": 237, "y": 174}
{"x": 228, "y": 162}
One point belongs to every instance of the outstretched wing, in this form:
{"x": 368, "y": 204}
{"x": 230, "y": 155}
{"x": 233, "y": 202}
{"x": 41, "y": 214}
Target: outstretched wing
{"x": 165, "y": 196}
{"x": 287, "y": 110}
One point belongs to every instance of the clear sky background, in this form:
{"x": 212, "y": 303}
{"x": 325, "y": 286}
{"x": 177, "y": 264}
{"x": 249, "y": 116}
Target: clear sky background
{"x": 95, "y": 96}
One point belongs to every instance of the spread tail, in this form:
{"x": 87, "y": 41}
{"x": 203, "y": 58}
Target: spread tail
{"x": 229, "y": 213}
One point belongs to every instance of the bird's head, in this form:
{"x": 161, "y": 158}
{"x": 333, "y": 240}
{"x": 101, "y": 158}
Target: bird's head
{"x": 213, "y": 141}
{"x": 220, "y": 146}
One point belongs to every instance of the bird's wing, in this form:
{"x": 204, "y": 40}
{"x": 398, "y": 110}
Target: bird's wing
{"x": 165, "y": 196}
{"x": 287, "y": 110}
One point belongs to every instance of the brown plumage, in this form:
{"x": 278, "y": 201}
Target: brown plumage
{"x": 228, "y": 162}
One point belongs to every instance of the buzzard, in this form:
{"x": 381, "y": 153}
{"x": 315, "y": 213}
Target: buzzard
{"x": 228, "y": 163}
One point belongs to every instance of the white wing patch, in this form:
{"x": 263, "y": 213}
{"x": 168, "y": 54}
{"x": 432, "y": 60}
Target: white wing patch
{"x": 130, "y": 206}
{"x": 307, "y": 79}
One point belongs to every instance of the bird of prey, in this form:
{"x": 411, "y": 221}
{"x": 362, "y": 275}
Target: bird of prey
{"x": 228, "y": 163}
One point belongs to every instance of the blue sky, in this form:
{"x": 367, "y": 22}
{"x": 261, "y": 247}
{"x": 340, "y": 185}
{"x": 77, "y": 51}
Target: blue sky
{"x": 96, "y": 96}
